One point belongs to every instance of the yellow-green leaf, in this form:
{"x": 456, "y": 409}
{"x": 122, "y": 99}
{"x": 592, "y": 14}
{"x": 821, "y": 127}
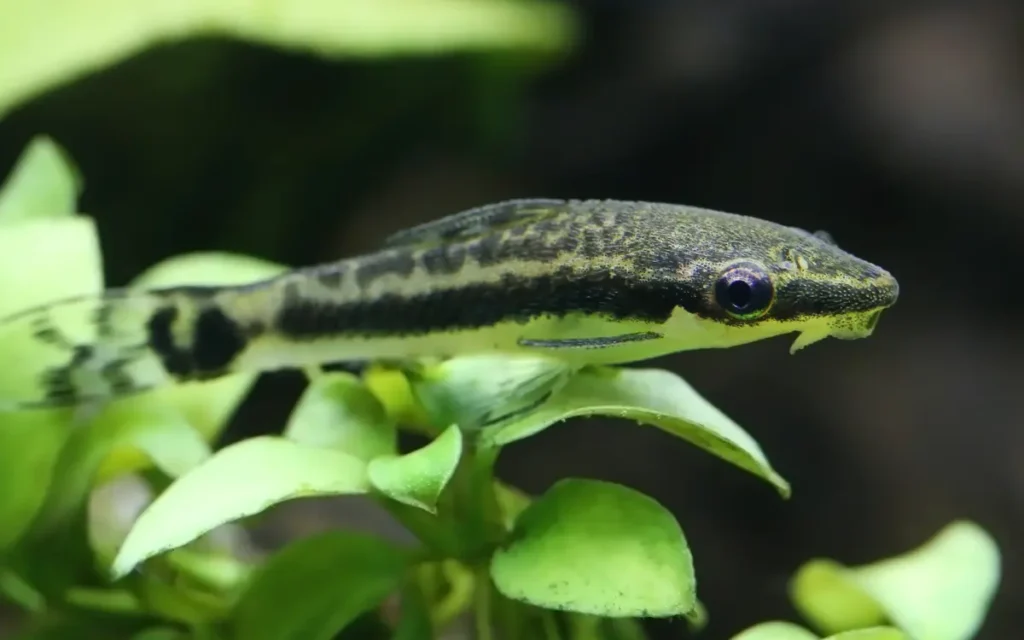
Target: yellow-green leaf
{"x": 477, "y": 390}
{"x": 778, "y": 630}
{"x": 419, "y": 477}
{"x": 650, "y": 396}
{"x": 45, "y": 45}
{"x": 338, "y": 411}
{"x": 939, "y": 591}
{"x": 43, "y": 184}
{"x": 238, "y": 481}
{"x": 597, "y": 548}
{"x": 313, "y": 588}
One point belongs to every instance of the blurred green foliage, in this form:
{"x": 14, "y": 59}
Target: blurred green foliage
{"x": 48, "y": 43}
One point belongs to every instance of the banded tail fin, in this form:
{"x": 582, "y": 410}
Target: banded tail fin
{"x": 80, "y": 351}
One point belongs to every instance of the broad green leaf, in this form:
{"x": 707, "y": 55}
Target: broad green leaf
{"x": 788, "y": 631}
{"x": 44, "y": 48}
{"x": 418, "y": 478}
{"x": 238, "y": 481}
{"x": 825, "y": 595}
{"x": 776, "y": 630}
{"x": 873, "y": 633}
{"x": 651, "y": 396}
{"x": 314, "y": 587}
{"x": 43, "y": 184}
{"x": 40, "y": 260}
{"x": 65, "y": 521}
{"x": 474, "y": 391}
{"x": 392, "y": 389}
{"x": 151, "y": 426}
{"x": 30, "y": 445}
{"x": 598, "y": 548}
{"x": 940, "y": 591}
{"x": 339, "y": 412}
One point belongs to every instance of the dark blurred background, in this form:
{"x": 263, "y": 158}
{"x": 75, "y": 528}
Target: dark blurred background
{"x": 897, "y": 127}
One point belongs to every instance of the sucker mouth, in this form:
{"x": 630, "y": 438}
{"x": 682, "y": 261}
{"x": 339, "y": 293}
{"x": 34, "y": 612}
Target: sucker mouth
{"x": 872, "y": 321}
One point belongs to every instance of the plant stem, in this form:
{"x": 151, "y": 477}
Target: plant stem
{"x": 462, "y": 587}
{"x": 482, "y": 605}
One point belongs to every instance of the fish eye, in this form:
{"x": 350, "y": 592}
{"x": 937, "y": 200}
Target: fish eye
{"x": 745, "y": 291}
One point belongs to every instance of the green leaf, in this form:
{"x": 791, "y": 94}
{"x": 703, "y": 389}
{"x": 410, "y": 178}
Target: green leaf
{"x": 598, "y": 548}
{"x": 940, "y": 591}
{"x": 825, "y": 595}
{"x": 64, "y": 520}
{"x": 206, "y": 267}
{"x": 152, "y": 426}
{"x": 391, "y": 387}
{"x": 314, "y": 587}
{"x": 30, "y": 445}
{"x": 776, "y": 630}
{"x": 472, "y": 391}
{"x": 788, "y": 631}
{"x": 418, "y": 478}
{"x": 45, "y": 48}
{"x": 651, "y": 396}
{"x": 873, "y": 633}
{"x": 43, "y": 184}
{"x": 238, "y": 481}
{"x": 337, "y": 411}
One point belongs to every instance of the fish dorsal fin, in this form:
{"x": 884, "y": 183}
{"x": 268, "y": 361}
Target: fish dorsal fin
{"x": 473, "y": 222}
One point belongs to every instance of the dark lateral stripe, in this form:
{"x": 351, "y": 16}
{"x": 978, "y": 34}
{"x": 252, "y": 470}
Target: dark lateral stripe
{"x": 592, "y": 343}
{"x": 514, "y": 299}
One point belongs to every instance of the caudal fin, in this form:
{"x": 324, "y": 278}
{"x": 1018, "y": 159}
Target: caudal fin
{"x": 77, "y": 351}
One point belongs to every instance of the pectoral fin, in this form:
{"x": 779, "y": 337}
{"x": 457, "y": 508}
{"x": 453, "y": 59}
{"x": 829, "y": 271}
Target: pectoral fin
{"x": 602, "y": 342}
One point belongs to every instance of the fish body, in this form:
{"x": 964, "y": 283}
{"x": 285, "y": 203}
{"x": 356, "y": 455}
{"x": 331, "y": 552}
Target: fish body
{"x": 589, "y": 282}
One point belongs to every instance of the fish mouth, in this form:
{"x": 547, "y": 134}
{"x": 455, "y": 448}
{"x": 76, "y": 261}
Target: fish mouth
{"x": 849, "y": 327}
{"x": 872, "y": 321}
{"x": 857, "y": 326}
